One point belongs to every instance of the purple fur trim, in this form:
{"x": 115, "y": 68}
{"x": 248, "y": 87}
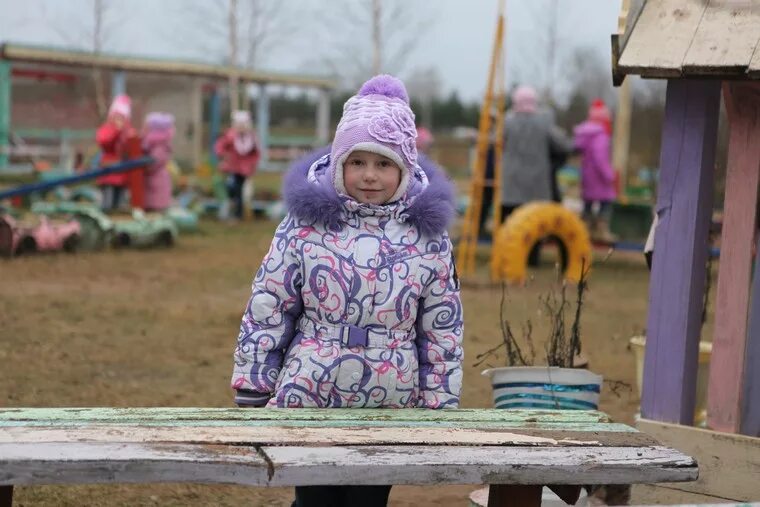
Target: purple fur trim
{"x": 431, "y": 210}
{"x": 385, "y": 84}
{"x": 308, "y": 201}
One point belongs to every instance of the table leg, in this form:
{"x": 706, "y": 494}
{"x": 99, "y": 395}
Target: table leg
{"x": 6, "y": 496}
{"x": 514, "y": 495}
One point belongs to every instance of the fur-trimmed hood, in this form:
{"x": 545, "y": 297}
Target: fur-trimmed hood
{"x": 310, "y": 194}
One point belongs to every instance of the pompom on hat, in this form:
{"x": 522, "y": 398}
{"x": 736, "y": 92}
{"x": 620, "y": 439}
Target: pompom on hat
{"x": 122, "y": 105}
{"x": 377, "y": 119}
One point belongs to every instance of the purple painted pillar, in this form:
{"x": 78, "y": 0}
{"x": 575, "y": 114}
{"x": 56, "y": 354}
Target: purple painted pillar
{"x": 750, "y": 423}
{"x": 684, "y": 207}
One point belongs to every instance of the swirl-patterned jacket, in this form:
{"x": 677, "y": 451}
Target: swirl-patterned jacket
{"x": 354, "y": 305}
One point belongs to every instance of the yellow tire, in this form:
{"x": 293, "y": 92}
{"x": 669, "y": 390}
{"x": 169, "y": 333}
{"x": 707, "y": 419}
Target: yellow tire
{"x": 529, "y": 224}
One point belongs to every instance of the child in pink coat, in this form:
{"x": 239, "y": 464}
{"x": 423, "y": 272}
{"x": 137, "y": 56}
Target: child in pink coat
{"x": 239, "y": 152}
{"x": 592, "y": 139}
{"x": 158, "y": 133}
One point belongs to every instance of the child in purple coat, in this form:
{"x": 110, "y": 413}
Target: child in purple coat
{"x": 592, "y": 139}
{"x": 157, "y": 144}
{"x": 357, "y": 302}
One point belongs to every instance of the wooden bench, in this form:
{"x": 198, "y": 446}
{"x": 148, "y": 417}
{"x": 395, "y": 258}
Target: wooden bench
{"x": 516, "y": 452}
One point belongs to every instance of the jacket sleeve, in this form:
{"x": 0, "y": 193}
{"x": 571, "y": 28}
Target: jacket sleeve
{"x": 106, "y": 136}
{"x": 600, "y": 152}
{"x": 439, "y": 336}
{"x": 222, "y": 145}
{"x": 269, "y": 320}
{"x": 559, "y": 143}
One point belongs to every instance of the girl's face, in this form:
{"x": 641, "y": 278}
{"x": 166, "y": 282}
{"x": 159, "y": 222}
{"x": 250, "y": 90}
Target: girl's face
{"x": 370, "y": 178}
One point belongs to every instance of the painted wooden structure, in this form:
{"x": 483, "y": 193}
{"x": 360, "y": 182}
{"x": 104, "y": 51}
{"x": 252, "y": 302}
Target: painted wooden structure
{"x": 49, "y": 63}
{"x": 705, "y": 49}
{"x": 516, "y": 452}
{"x": 695, "y": 39}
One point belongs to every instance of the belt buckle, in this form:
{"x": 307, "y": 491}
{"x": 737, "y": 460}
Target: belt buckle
{"x": 357, "y": 336}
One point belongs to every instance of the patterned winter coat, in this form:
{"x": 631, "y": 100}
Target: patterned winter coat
{"x": 355, "y": 305}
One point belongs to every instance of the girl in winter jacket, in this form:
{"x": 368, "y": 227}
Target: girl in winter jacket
{"x": 357, "y": 302}
{"x": 157, "y": 144}
{"x": 238, "y": 150}
{"x": 112, "y": 137}
{"x": 592, "y": 139}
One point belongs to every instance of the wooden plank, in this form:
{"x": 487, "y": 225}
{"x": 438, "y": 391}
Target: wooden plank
{"x": 750, "y": 421}
{"x": 483, "y": 426}
{"x": 684, "y": 206}
{"x": 483, "y": 465}
{"x": 22, "y": 464}
{"x": 280, "y": 435}
{"x": 725, "y": 39}
{"x": 729, "y": 465}
{"x": 727, "y": 362}
{"x": 669, "y": 24}
{"x": 57, "y": 463}
{"x": 301, "y": 414}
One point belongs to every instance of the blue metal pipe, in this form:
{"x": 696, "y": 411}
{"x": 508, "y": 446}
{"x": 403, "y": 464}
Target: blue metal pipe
{"x": 68, "y": 180}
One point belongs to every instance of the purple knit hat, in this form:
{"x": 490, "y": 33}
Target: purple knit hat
{"x": 377, "y": 119}
{"x": 159, "y": 121}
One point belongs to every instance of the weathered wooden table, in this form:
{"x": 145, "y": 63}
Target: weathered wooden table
{"x": 516, "y": 452}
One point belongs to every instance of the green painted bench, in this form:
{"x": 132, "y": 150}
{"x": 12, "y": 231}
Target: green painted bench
{"x": 516, "y": 452}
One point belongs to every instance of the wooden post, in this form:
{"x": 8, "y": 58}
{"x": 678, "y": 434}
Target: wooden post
{"x": 215, "y": 120}
{"x": 196, "y": 108}
{"x": 118, "y": 83}
{"x": 323, "y": 117}
{"x": 750, "y": 424}
{"x": 727, "y": 362}
{"x": 684, "y": 206}
{"x": 622, "y": 135}
{"x": 5, "y": 112}
{"x": 262, "y": 124}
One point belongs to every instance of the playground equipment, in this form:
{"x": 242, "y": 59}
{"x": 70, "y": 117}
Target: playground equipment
{"x": 469, "y": 237}
{"x": 139, "y": 230}
{"x": 76, "y": 178}
{"x": 144, "y": 231}
{"x": 24, "y": 237}
{"x": 526, "y": 227}
{"x": 695, "y": 45}
{"x": 96, "y": 228}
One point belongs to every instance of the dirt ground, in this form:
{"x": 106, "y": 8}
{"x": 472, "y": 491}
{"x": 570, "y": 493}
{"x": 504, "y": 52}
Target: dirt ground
{"x": 158, "y": 328}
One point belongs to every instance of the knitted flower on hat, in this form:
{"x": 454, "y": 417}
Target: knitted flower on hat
{"x": 377, "y": 119}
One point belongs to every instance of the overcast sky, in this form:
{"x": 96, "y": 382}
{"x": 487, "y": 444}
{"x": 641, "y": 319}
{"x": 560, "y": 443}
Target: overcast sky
{"x": 457, "y": 41}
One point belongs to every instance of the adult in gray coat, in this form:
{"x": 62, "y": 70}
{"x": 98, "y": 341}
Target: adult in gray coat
{"x": 530, "y": 137}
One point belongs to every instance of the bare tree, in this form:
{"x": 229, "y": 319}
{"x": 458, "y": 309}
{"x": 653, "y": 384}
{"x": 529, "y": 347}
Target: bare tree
{"x": 97, "y": 37}
{"x": 376, "y": 37}
{"x": 239, "y": 33}
{"x": 424, "y": 85}
{"x": 232, "y": 28}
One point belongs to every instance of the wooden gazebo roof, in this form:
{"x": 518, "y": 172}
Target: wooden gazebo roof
{"x": 26, "y": 53}
{"x": 689, "y": 38}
